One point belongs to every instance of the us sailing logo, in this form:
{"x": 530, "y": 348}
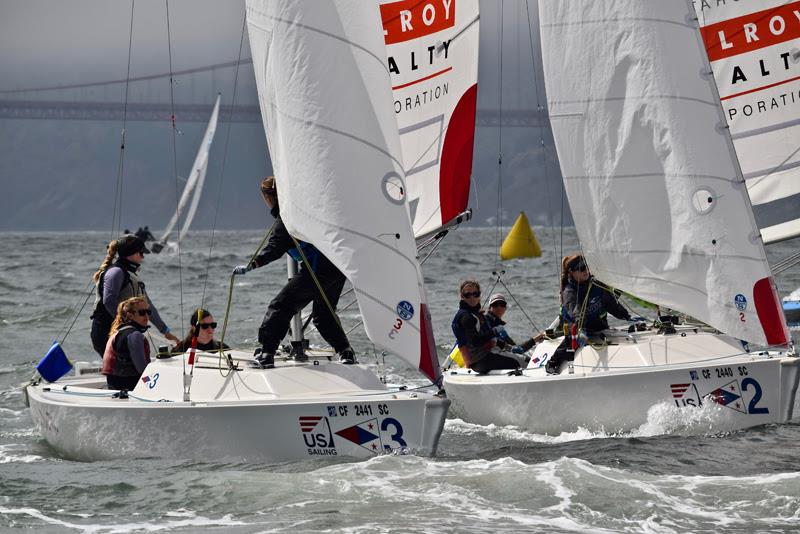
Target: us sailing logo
{"x": 685, "y": 395}
{"x": 317, "y": 435}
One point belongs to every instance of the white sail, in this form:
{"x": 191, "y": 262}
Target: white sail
{"x": 194, "y": 183}
{"x": 754, "y": 49}
{"x": 323, "y": 88}
{"x": 432, "y": 52}
{"x": 649, "y": 167}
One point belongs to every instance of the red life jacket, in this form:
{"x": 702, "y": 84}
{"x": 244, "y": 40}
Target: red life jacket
{"x": 117, "y": 360}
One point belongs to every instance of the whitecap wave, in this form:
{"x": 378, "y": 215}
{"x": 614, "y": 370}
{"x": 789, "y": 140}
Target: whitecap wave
{"x": 181, "y": 521}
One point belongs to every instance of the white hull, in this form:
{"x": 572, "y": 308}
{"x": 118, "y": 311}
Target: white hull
{"x": 292, "y": 412}
{"x": 612, "y": 388}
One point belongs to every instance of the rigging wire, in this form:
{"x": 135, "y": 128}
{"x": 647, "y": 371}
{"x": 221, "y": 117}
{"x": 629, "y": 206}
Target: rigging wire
{"x": 224, "y": 160}
{"x": 499, "y": 222}
{"x": 116, "y": 214}
{"x": 175, "y": 159}
{"x": 116, "y": 221}
{"x": 541, "y": 108}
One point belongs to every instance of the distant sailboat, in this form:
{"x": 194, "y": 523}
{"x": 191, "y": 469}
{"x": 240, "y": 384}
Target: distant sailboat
{"x": 193, "y": 189}
{"x": 661, "y": 212}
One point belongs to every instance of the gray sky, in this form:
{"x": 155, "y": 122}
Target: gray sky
{"x": 52, "y": 42}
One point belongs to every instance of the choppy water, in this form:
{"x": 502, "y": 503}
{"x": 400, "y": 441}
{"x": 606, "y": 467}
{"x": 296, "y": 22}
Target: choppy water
{"x": 673, "y": 474}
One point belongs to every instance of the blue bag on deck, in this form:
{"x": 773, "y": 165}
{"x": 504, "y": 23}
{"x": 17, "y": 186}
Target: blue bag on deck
{"x": 55, "y": 364}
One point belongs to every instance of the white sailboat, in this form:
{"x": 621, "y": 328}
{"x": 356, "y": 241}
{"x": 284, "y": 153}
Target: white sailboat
{"x": 193, "y": 189}
{"x": 323, "y": 90}
{"x": 661, "y": 211}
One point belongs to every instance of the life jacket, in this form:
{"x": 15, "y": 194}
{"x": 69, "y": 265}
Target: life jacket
{"x": 470, "y": 354}
{"x": 132, "y": 286}
{"x": 595, "y": 316}
{"x": 310, "y": 251}
{"x": 117, "y": 360}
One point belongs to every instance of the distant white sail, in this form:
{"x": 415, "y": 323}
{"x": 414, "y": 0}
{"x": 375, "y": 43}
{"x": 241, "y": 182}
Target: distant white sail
{"x": 754, "y": 49}
{"x": 194, "y": 183}
{"x": 432, "y": 52}
{"x": 323, "y": 88}
{"x": 649, "y": 168}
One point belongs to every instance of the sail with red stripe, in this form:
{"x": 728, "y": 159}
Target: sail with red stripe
{"x": 323, "y": 86}
{"x": 754, "y": 50}
{"x": 432, "y": 57}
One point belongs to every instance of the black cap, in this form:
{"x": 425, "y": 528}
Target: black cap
{"x": 130, "y": 244}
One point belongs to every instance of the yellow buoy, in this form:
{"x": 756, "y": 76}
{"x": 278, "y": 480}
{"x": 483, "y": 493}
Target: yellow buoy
{"x": 520, "y": 241}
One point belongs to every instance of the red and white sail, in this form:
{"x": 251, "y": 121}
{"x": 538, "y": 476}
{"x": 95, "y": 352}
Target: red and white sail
{"x": 432, "y": 56}
{"x": 754, "y": 49}
{"x": 323, "y": 88}
{"x": 655, "y": 189}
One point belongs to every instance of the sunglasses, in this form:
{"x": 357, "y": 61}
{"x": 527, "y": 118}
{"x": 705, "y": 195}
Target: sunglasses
{"x": 580, "y": 268}
{"x": 500, "y": 304}
{"x": 142, "y": 313}
{"x": 471, "y": 294}
{"x": 208, "y": 325}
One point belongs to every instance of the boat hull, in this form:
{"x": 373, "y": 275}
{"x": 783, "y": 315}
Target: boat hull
{"x": 608, "y": 391}
{"x": 83, "y": 422}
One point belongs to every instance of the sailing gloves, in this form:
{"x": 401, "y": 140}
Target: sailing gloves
{"x": 242, "y": 269}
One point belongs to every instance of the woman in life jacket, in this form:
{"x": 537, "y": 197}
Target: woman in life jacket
{"x": 117, "y": 280}
{"x": 476, "y": 339}
{"x": 202, "y": 326}
{"x": 127, "y": 350}
{"x": 585, "y": 305}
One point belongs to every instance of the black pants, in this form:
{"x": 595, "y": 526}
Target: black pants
{"x": 563, "y": 353}
{"x": 122, "y": 382}
{"x": 295, "y": 296}
{"x": 99, "y": 335}
{"x": 493, "y": 362}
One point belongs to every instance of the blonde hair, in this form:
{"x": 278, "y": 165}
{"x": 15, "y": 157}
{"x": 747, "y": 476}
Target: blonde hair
{"x": 112, "y": 252}
{"x": 124, "y": 311}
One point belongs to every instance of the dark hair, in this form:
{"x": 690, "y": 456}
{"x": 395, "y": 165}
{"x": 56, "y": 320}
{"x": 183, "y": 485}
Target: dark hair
{"x": 197, "y": 315}
{"x": 268, "y": 186}
{"x": 568, "y": 264}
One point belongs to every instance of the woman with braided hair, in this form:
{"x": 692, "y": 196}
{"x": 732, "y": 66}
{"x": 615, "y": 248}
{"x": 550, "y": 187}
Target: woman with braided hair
{"x": 117, "y": 280}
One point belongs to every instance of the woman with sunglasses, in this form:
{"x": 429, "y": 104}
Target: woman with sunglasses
{"x": 474, "y": 336}
{"x": 127, "y": 350}
{"x": 117, "y": 279}
{"x": 585, "y": 303}
{"x": 202, "y": 326}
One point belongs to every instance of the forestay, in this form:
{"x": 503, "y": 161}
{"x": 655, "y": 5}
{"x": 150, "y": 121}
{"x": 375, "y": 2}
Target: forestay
{"x": 432, "y": 49}
{"x": 323, "y": 88}
{"x": 754, "y": 49}
{"x": 648, "y": 164}
{"x": 194, "y": 183}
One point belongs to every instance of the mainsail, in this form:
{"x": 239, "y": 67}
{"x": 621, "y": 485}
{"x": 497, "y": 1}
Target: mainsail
{"x": 323, "y": 88}
{"x": 432, "y": 49}
{"x": 194, "y": 183}
{"x": 649, "y": 167}
{"x": 754, "y": 49}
